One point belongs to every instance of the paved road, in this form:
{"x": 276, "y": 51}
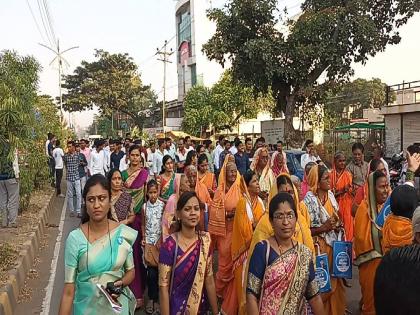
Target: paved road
{"x": 46, "y": 285}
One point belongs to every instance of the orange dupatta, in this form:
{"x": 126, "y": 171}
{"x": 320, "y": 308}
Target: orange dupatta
{"x": 209, "y": 180}
{"x": 224, "y": 201}
{"x": 397, "y": 232}
{"x": 340, "y": 182}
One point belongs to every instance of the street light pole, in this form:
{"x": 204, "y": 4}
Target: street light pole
{"x": 164, "y": 58}
{"x": 60, "y": 58}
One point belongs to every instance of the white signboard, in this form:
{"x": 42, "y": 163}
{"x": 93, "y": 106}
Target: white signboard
{"x": 272, "y": 130}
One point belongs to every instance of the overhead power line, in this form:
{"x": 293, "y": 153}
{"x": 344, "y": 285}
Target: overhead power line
{"x": 44, "y": 24}
{"x": 49, "y": 20}
{"x": 36, "y": 22}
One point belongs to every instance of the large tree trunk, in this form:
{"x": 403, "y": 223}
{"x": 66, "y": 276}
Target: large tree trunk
{"x": 291, "y": 136}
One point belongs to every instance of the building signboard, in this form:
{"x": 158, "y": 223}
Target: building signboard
{"x": 272, "y": 130}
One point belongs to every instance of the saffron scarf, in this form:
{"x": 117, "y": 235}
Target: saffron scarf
{"x": 217, "y": 215}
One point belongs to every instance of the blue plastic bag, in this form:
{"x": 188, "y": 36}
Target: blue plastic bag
{"x": 385, "y": 212}
{"x": 342, "y": 259}
{"x": 322, "y": 274}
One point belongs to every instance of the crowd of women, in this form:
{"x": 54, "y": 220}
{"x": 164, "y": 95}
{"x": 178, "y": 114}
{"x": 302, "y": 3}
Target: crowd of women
{"x": 231, "y": 243}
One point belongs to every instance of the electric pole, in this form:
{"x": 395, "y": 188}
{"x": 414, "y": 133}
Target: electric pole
{"x": 164, "y": 55}
{"x": 60, "y": 58}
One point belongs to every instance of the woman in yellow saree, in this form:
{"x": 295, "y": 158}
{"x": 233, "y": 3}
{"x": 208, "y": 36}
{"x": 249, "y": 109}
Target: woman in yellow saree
{"x": 322, "y": 207}
{"x": 222, "y": 213}
{"x": 264, "y": 229}
{"x": 367, "y": 237}
{"x": 281, "y": 277}
{"x": 248, "y": 212}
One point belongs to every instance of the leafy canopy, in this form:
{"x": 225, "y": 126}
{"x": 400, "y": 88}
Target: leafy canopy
{"x": 112, "y": 83}
{"x": 326, "y": 38}
{"x": 223, "y": 106}
{"x": 25, "y": 120}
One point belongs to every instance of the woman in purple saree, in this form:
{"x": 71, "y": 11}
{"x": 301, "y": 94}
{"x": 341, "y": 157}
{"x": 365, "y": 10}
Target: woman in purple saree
{"x": 185, "y": 264}
{"x": 135, "y": 178}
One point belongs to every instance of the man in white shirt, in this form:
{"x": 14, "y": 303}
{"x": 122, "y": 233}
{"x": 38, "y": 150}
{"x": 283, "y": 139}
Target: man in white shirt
{"x": 219, "y": 149}
{"x": 97, "y": 163}
{"x": 108, "y": 149}
{"x": 181, "y": 156}
{"x": 150, "y": 156}
{"x": 170, "y": 147}
{"x": 158, "y": 157}
{"x": 310, "y": 155}
{"x": 58, "y": 154}
{"x": 234, "y": 148}
{"x": 188, "y": 144}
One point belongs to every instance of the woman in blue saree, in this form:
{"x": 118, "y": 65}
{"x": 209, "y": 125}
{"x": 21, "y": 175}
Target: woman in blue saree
{"x": 185, "y": 264}
{"x": 97, "y": 253}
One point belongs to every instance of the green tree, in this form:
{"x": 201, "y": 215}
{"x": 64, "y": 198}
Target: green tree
{"x": 326, "y": 38}
{"x": 223, "y": 106}
{"x": 26, "y": 118}
{"x": 112, "y": 83}
{"x": 354, "y": 96}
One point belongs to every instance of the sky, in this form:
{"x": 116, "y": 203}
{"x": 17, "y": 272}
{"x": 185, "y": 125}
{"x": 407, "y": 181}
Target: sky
{"x": 139, "y": 27}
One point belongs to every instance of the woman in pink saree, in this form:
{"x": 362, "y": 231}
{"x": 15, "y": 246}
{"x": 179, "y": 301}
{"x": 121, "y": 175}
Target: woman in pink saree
{"x": 180, "y": 186}
{"x": 134, "y": 179}
{"x": 281, "y": 276}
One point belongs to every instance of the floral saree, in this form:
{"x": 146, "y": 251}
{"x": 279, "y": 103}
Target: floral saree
{"x": 135, "y": 184}
{"x": 102, "y": 261}
{"x": 185, "y": 274}
{"x": 282, "y": 283}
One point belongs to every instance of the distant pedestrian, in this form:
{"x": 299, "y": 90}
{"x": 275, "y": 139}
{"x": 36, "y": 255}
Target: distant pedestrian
{"x": 180, "y": 156}
{"x": 98, "y": 160}
{"x": 82, "y": 168}
{"x": 241, "y": 159}
{"x": 50, "y": 147}
{"x": 9, "y": 188}
{"x": 58, "y": 154}
{"x": 170, "y": 147}
{"x": 84, "y": 148}
{"x": 116, "y": 155}
{"x": 72, "y": 162}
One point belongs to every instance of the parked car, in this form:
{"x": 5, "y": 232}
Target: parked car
{"x": 293, "y": 162}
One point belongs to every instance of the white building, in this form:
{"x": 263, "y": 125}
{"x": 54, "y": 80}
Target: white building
{"x": 193, "y": 30}
{"x": 402, "y": 117}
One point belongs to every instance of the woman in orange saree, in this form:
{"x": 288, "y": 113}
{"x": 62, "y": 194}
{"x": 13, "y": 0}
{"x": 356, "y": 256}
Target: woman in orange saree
{"x": 205, "y": 176}
{"x": 222, "y": 213}
{"x": 248, "y": 212}
{"x": 322, "y": 207}
{"x": 367, "y": 237}
{"x": 341, "y": 181}
{"x": 202, "y": 194}
{"x": 398, "y": 230}
{"x": 362, "y": 192}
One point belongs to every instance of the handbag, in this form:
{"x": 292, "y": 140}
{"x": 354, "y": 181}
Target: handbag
{"x": 151, "y": 255}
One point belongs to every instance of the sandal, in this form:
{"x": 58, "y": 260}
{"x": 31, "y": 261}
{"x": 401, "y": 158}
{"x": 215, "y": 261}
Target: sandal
{"x": 150, "y": 307}
{"x": 156, "y": 308}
